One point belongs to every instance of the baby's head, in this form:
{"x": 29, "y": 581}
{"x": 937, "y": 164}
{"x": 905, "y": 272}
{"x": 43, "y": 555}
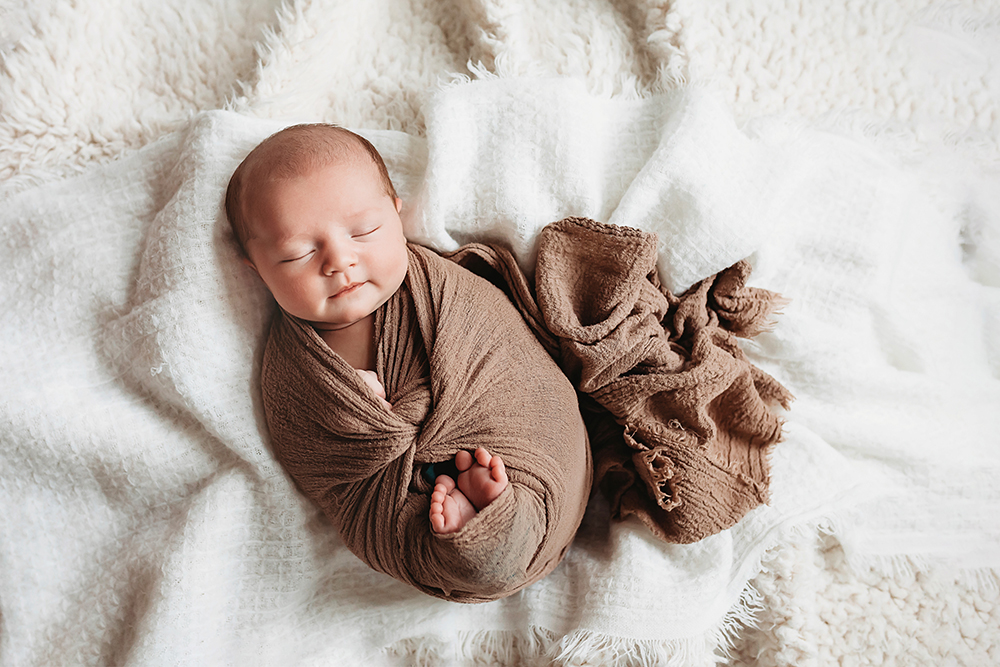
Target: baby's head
{"x": 317, "y": 218}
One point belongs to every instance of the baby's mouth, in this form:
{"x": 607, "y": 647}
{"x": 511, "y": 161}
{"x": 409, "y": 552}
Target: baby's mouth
{"x": 347, "y": 290}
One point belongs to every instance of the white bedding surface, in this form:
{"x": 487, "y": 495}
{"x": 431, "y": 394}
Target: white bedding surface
{"x": 851, "y": 154}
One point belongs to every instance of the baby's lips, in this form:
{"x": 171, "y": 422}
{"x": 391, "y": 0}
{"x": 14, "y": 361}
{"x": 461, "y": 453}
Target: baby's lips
{"x": 346, "y": 289}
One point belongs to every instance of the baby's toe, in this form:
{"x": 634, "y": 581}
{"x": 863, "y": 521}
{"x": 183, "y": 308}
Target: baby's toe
{"x": 444, "y": 483}
{"x": 483, "y": 457}
{"x": 497, "y": 470}
{"x": 463, "y": 460}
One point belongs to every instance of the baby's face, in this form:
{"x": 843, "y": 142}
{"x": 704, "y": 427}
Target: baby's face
{"x": 329, "y": 244}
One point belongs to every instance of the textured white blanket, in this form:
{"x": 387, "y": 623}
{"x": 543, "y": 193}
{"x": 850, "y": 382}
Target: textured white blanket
{"x": 145, "y": 521}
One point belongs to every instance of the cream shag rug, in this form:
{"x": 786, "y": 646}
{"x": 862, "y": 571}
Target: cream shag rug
{"x": 81, "y": 83}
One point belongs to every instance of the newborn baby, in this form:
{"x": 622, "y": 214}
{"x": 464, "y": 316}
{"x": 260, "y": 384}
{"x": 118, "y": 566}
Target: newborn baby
{"x": 317, "y": 218}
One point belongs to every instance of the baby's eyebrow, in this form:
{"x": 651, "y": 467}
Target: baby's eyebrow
{"x": 282, "y": 241}
{"x": 361, "y": 212}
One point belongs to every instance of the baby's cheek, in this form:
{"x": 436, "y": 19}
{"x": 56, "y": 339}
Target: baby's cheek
{"x": 397, "y": 264}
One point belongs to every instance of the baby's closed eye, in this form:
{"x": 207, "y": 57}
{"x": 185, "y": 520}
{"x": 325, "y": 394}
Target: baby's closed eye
{"x": 297, "y": 257}
{"x": 366, "y": 232}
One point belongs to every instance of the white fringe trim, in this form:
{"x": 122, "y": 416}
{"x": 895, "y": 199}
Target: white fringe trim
{"x": 983, "y": 580}
{"x": 540, "y": 646}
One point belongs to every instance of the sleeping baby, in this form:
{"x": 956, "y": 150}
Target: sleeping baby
{"x": 404, "y": 395}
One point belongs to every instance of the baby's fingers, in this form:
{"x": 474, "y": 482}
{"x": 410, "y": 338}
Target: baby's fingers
{"x": 371, "y": 379}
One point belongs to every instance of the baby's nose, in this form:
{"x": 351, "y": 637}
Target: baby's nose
{"x": 338, "y": 258}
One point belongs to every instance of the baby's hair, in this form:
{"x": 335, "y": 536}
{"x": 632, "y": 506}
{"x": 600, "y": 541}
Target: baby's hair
{"x": 289, "y": 153}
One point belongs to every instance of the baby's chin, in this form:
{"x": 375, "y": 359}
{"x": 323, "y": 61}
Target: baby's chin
{"x": 340, "y": 323}
{"x": 345, "y": 320}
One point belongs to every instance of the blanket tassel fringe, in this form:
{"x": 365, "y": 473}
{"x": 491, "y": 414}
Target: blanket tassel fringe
{"x": 538, "y": 647}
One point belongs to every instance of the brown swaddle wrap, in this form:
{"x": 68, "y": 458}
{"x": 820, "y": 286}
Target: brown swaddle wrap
{"x": 679, "y": 419}
{"x": 462, "y": 370}
{"x": 680, "y": 422}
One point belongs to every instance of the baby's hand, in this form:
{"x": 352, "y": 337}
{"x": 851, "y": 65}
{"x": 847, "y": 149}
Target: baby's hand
{"x": 371, "y": 379}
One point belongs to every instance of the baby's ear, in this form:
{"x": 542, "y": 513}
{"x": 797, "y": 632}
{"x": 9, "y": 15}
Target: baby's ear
{"x": 399, "y": 204}
{"x": 246, "y": 260}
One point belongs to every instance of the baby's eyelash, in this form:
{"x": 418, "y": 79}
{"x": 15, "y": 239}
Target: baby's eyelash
{"x": 295, "y": 259}
{"x": 370, "y": 231}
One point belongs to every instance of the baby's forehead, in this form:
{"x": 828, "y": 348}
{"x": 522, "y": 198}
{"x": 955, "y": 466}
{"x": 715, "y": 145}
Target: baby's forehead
{"x": 280, "y": 163}
{"x": 264, "y": 191}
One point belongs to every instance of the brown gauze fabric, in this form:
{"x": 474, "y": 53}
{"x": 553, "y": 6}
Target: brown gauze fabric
{"x": 679, "y": 420}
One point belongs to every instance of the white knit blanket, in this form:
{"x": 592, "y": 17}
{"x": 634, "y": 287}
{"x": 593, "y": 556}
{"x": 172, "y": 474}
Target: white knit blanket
{"x": 145, "y": 521}
{"x": 147, "y": 497}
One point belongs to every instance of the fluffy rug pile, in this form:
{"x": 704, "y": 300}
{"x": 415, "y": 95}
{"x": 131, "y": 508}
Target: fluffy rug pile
{"x": 852, "y": 153}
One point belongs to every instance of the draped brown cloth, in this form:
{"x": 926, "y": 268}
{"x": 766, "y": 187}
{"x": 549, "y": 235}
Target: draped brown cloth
{"x": 679, "y": 420}
{"x": 462, "y": 370}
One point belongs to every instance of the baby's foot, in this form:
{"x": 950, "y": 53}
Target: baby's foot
{"x": 450, "y": 509}
{"x": 482, "y": 477}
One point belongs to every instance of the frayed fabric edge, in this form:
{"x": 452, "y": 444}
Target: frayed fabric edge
{"x": 538, "y": 646}
{"x": 984, "y": 580}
